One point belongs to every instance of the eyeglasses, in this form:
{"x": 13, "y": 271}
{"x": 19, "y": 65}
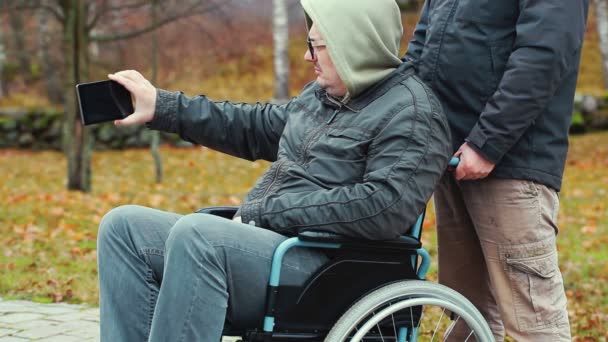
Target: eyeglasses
{"x": 312, "y": 43}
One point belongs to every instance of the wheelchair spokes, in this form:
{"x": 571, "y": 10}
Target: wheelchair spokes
{"x": 399, "y": 316}
{"x": 414, "y": 323}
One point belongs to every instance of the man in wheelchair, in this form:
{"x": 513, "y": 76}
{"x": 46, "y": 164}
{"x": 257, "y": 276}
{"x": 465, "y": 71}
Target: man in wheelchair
{"x": 356, "y": 154}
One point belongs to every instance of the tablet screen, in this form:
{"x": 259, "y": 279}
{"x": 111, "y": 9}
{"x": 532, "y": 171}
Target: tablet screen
{"x": 103, "y": 101}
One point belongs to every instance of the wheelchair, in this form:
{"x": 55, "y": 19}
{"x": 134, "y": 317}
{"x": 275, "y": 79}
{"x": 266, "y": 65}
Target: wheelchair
{"x": 367, "y": 291}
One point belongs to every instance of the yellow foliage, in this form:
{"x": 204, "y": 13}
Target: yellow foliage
{"x": 27, "y": 100}
{"x": 591, "y": 76}
{"x": 251, "y": 77}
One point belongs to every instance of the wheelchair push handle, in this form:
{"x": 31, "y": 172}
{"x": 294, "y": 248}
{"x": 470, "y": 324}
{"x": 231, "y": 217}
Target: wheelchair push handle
{"x": 453, "y": 163}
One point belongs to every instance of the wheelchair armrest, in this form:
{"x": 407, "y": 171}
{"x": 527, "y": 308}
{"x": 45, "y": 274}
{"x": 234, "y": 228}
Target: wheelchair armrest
{"x": 405, "y": 242}
{"x": 225, "y": 212}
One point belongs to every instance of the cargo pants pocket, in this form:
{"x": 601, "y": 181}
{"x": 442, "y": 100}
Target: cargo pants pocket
{"x": 536, "y": 284}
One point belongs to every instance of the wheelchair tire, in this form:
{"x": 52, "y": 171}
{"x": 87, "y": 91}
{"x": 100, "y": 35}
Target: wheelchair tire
{"x": 368, "y": 317}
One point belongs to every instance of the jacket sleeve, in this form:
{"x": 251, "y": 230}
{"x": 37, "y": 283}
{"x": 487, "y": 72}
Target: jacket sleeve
{"x": 416, "y": 45}
{"x": 405, "y": 161}
{"x": 249, "y": 131}
{"x": 549, "y": 36}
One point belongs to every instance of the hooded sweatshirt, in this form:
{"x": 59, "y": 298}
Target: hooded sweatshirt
{"x": 354, "y": 31}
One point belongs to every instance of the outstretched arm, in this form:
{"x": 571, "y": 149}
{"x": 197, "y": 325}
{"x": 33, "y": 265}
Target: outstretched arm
{"x": 250, "y": 131}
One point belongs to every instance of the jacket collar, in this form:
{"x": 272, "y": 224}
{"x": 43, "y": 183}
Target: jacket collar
{"x": 331, "y": 101}
{"x": 372, "y": 93}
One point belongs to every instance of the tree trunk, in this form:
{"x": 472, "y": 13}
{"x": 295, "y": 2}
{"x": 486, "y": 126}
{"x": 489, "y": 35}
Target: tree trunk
{"x": 601, "y": 14}
{"x": 53, "y": 87}
{"x": 158, "y": 163}
{"x": 77, "y": 140}
{"x": 281, "y": 58}
{"x": 16, "y": 21}
{"x": 2, "y": 61}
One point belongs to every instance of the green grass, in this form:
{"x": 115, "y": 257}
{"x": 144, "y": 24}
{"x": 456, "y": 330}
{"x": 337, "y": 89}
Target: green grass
{"x": 584, "y": 234}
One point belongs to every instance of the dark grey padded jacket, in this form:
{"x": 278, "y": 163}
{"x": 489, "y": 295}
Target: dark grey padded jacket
{"x": 505, "y": 72}
{"x": 365, "y": 169}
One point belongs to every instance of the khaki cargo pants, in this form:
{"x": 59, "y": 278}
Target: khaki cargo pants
{"x": 497, "y": 247}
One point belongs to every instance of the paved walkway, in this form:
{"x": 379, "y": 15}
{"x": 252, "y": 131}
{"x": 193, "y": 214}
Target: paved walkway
{"x": 22, "y": 321}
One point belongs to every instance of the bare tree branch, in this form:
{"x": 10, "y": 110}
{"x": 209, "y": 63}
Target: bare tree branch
{"x": 190, "y": 11}
{"x": 34, "y": 5}
{"x": 99, "y": 14}
{"x": 128, "y": 6}
{"x": 105, "y": 9}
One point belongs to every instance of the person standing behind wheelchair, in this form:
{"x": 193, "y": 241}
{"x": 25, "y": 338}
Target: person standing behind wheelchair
{"x": 505, "y": 72}
{"x": 357, "y": 153}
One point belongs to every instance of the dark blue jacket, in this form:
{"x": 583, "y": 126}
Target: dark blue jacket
{"x": 505, "y": 72}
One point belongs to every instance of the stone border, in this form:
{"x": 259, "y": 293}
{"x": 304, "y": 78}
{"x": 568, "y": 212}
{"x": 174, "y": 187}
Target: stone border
{"x": 40, "y": 129}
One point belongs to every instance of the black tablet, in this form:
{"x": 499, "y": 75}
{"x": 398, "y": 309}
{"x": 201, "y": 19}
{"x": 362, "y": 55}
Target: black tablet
{"x": 103, "y": 101}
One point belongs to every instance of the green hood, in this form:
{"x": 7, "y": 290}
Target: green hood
{"x": 362, "y": 38}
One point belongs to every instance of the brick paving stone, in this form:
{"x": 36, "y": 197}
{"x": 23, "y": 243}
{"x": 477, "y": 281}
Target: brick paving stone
{"x": 64, "y": 338}
{"x": 83, "y": 330}
{"x": 84, "y": 335}
{"x": 72, "y": 306}
{"x": 16, "y": 307}
{"x": 61, "y": 338}
{"x": 19, "y": 317}
{"x": 76, "y": 316}
{"x": 23, "y": 321}
{"x": 13, "y": 339}
{"x": 40, "y": 332}
{"x": 49, "y": 309}
{"x": 6, "y": 332}
{"x": 91, "y": 318}
{"x": 36, "y": 323}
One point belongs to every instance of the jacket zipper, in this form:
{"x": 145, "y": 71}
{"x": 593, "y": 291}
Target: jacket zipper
{"x": 305, "y": 152}
{"x": 333, "y": 116}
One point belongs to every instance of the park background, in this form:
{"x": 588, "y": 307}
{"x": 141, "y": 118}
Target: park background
{"x": 57, "y": 180}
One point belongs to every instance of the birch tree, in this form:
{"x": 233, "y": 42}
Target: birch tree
{"x": 155, "y": 140}
{"x": 2, "y": 60}
{"x": 601, "y": 14}
{"x": 281, "y": 58}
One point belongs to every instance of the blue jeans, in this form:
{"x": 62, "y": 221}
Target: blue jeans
{"x": 168, "y": 277}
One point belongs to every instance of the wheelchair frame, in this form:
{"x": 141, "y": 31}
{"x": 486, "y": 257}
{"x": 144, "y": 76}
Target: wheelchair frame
{"x": 300, "y": 241}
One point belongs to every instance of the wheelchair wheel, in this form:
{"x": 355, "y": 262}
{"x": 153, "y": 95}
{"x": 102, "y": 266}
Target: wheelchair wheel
{"x": 411, "y": 310}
